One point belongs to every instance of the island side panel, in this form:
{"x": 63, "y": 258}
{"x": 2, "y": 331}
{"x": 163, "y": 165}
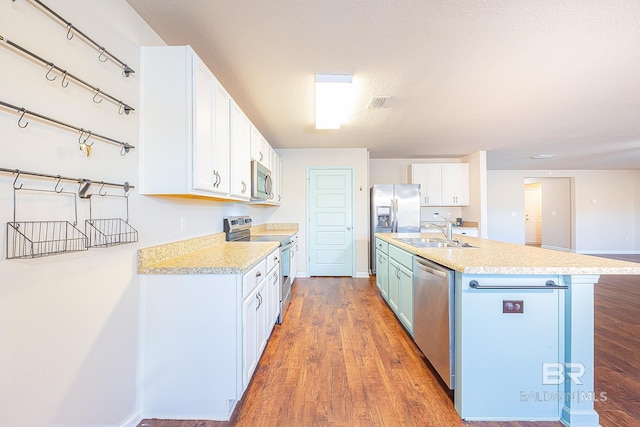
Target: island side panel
{"x": 191, "y": 349}
{"x": 499, "y": 356}
{"x": 578, "y": 379}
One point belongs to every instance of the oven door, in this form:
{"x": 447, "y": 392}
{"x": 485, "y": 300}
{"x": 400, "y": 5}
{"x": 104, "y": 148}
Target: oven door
{"x": 285, "y": 270}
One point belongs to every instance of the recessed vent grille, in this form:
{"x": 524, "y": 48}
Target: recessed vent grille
{"x": 377, "y": 102}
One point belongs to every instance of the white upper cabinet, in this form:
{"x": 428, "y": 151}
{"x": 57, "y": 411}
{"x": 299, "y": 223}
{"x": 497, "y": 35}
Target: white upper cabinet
{"x": 262, "y": 152}
{"x": 195, "y": 140}
{"x": 184, "y": 125}
{"x": 240, "y": 146}
{"x": 442, "y": 184}
{"x": 455, "y": 184}
{"x": 259, "y": 146}
{"x": 429, "y": 176}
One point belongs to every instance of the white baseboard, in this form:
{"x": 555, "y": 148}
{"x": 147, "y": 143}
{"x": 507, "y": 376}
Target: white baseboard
{"x": 555, "y": 248}
{"x": 362, "y": 274}
{"x": 610, "y": 252}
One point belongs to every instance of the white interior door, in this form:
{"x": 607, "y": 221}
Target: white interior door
{"x": 330, "y": 219}
{"x": 533, "y": 213}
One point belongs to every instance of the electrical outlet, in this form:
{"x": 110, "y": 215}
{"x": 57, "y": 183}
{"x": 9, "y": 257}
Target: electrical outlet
{"x": 512, "y": 306}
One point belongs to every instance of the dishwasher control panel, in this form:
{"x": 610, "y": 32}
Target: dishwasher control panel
{"x": 512, "y": 306}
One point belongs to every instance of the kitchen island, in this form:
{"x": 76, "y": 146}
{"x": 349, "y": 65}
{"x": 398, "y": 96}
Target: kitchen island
{"x": 522, "y": 327}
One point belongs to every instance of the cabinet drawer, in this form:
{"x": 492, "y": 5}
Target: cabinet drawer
{"x": 253, "y": 277}
{"x": 382, "y": 246}
{"x": 402, "y": 257}
{"x": 272, "y": 259}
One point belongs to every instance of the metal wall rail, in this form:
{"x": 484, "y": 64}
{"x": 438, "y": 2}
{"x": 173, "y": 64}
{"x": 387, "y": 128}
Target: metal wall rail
{"x": 83, "y": 181}
{"x": 71, "y": 30}
{"x": 98, "y": 94}
{"x": 84, "y": 133}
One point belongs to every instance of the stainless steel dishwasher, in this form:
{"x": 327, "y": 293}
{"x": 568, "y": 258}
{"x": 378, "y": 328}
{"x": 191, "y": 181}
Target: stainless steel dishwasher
{"x": 433, "y": 315}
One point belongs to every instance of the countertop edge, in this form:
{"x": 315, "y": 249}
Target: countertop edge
{"x": 464, "y": 261}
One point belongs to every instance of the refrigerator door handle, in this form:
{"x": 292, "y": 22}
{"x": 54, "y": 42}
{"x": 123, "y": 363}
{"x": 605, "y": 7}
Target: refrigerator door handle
{"x": 394, "y": 215}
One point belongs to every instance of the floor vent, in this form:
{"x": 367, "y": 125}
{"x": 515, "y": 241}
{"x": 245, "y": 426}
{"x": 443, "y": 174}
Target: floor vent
{"x": 377, "y": 102}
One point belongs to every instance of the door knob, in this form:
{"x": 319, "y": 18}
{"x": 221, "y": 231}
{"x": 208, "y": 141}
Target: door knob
{"x": 348, "y": 228}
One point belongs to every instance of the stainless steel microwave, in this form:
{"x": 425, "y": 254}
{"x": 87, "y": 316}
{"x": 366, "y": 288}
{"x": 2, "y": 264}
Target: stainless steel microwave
{"x": 261, "y": 182}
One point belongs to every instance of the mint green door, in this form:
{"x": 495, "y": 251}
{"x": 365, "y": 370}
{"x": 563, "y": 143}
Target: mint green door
{"x": 330, "y": 220}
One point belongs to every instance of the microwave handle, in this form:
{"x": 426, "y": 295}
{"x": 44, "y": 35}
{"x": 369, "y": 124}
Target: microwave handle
{"x": 268, "y": 185}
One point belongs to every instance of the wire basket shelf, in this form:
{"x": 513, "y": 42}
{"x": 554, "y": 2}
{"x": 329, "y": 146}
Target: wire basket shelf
{"x": 109, "y": 232}
{"x": 33, "y": 239}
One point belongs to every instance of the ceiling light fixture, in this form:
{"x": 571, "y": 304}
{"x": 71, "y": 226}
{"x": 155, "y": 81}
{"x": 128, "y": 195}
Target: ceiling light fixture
{"x": 543, "y": 156}
{"x": 334, "y": 97}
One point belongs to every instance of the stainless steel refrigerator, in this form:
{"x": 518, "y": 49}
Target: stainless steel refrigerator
{"x": 395, "y": 208}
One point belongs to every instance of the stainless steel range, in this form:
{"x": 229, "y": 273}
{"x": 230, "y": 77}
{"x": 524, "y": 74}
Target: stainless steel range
{"x": 238, "y": 229}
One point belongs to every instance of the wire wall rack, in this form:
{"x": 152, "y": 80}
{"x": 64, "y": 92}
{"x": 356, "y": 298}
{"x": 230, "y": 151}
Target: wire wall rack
{"x": 98, "y": 96}
{"x": 105, "y": 232}
{"x": 103, "y": 54}
{"x": 34, "y": 239}
{"x": 85, "y": 134}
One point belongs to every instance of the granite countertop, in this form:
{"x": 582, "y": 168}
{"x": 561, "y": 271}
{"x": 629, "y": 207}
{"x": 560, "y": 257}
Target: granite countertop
{"x": 493, "y": 257}
{"x": 210, "y": 254}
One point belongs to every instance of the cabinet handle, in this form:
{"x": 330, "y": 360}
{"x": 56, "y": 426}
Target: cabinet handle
{"x": 261, "y": 156}
{"x": 258, "y": 274}
{"x": 244, "y": 187}
{"x": 259, "y": 298}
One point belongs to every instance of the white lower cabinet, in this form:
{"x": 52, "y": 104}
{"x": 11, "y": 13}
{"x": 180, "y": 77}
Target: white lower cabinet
{"x": 253, "y": 320}
{"x": 202, "y": 336}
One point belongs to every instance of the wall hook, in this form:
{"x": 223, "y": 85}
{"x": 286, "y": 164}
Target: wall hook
{"x": 20, "y": 119}
{"x": 69, "y": 33}
{"x": 58, "y": 183}
{"x": 101, "y": 187}
{"x": 125, "y": 149}
{"x": 102, "y": 57}
{"x": 16, "y": 180}
{"x": 84, "y": 141}
{"x": 99, "y": 100}
{"x": 64, "y": 81}
{"x": 50, "y": 65}
{"x": 84, "y": 188}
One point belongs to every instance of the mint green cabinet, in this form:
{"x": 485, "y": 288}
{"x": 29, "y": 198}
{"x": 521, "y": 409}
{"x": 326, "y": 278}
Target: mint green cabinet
{"x": 400, "y": 278}
{"x": 394, "y": 285}
{"x": 382, "y": 273}
{"x": 405, "y": 291}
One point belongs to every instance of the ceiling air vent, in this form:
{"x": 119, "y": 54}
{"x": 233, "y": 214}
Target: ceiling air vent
{"x": 377, "y": 102}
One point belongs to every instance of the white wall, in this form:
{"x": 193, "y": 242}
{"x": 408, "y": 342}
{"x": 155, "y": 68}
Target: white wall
{"x": 556, "y": 213}
{"x": 605, "y": 208}
{"x": 294, "y": 195}
{"x": 69, "y": 323}
{"x": 477, "y": 209}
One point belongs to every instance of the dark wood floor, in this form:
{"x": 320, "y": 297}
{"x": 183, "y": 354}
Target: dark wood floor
{"x": 342, "y": 359}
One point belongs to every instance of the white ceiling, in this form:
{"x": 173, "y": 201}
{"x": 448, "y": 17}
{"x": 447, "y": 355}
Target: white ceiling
{"x": 515, "y": 78}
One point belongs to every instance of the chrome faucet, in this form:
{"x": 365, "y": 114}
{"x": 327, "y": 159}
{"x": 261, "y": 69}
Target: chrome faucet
{"x": 446, "y": 230}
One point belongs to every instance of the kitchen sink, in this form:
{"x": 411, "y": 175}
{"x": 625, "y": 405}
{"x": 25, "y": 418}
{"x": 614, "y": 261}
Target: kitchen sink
{"x": 429, "y": 242}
